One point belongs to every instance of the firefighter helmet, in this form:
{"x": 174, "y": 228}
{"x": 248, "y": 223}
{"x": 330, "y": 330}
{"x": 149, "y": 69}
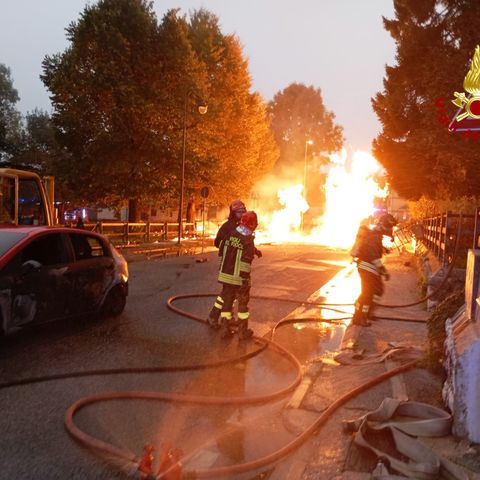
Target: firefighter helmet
{"x": 237, "y": 205}
{"x": 386, "y": 223}
{"x": 237, "y": 209}
{"x": 249, "y": 220}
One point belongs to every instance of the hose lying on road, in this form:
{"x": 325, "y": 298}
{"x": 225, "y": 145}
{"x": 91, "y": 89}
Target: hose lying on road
{"x": 132, "y": 461}
{"x": 129, "y": 458}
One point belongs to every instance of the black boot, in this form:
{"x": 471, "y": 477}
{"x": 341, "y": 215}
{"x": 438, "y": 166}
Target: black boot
{"x": 244, "y": 333}
{"x": 225, "y": 329}
{"x": 213, "y": 322}
{"x": 360, "y": 319}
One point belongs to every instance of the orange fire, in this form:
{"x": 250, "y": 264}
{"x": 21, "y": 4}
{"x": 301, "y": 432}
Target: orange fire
{"x": 285, "y": 225}
{"x": 350, "y": 190}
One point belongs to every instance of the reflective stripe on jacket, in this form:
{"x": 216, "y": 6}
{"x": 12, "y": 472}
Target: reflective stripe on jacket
{"x": 237, "y": 255}
{"x": 369, "y": 250}
{"x": 369, "y": 267}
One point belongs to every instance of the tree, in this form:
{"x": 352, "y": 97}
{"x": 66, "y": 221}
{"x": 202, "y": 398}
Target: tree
{"x": 298, "y": 114}
{"x": 119, "y": 93}
{"x": 115, "y": 99}
{"x": 435, "y": 42}
{"x": 10, "y": 118}
{"x": 237, "y": 144}
{"x": 39, "y": 148}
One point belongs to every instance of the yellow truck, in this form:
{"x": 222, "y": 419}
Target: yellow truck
{"x": 26, "y": 198}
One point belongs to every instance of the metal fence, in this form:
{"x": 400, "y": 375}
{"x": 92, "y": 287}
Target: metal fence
{"x": 439, "y": 235}
{"x": 142, "y": 232}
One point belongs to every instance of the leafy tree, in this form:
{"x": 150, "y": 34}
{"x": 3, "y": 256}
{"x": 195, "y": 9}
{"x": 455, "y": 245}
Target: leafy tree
{"x": 39, "y": 148}
{"x": 10, "y": 118}
{"x": 298, "y": 114}
{"x": 125, "y": 86}
{"x": 115, "y": 96}
{"x": 435, "y": 43}
{"x": 238, "y": 147}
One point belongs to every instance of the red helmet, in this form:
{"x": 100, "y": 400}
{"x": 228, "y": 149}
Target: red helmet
{"x": 237, "y": 205}
{"x": 249, "y": 220}
{"x": 237, "y": 209}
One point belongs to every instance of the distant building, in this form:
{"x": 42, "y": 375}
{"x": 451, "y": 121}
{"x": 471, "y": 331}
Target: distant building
{"x": 397, "y": 206}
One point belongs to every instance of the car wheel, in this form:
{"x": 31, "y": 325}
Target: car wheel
{"x": 115, "y": 302}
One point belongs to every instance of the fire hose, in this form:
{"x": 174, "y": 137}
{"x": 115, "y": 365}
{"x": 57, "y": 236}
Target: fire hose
{"x": 130, "y": 458}
{"x": 268, "y": 459}
{"x": 131, "y": 461}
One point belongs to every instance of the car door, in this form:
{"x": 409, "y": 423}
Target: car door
{"x": 92, "y": 270}
{"x": 35, "y": 283}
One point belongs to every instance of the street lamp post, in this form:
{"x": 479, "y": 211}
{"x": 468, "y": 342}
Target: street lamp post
{"x": 202, "y": 109}
{"x": 307, "y": 143}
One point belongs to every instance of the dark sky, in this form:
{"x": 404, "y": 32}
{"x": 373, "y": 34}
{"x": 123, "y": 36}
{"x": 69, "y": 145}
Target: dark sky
{"x": 339, "y": 46}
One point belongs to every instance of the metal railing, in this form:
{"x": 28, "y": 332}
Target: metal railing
{"x": 141, "y": 232}
{"x": 439, "y": 234}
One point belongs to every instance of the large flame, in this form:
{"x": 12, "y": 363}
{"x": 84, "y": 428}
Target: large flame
{"x": 284, "y": 225}
{"x": 350, "y": 191}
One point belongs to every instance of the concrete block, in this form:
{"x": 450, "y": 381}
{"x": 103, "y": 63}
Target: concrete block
{"x": 461, "y": 390}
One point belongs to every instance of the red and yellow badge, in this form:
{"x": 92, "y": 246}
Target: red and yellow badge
{"x": 467, "y": 117}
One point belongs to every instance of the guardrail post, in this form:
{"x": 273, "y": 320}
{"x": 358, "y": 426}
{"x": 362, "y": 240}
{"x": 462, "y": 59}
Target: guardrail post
{"x": 125, "y": 232}
{"x": 442, "y": 219}
{"x": 476, "y": 229}
{"x": 447, "y": 242}
{"x": 147, "y": 233}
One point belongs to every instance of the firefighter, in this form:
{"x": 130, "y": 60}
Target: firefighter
{"x": 237, "y": 209}
{"x": 368, "y": 251}
{"x": 238, "y": 250}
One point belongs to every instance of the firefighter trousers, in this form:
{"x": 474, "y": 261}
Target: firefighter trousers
{"x": 372, "y": 286}
{"x": 224, "y": 303}
{"x": 229, "y": 294}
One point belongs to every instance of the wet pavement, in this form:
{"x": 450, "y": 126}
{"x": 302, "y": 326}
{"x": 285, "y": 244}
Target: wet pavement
{"x": 225, "y": 434}
{"x": 333, "y": 453}
{"x": 329, "y": 453}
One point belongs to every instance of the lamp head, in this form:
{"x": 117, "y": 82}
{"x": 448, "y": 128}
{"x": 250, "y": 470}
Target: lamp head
{"x": 202, "y": 107}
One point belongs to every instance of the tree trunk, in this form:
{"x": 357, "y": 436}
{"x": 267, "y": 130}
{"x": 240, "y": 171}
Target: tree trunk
{"x": 133, "y": 212}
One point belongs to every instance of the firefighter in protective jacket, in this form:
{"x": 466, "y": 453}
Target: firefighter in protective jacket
{"x": 368, "y": 251}
{"x": 237, "y": 254}
{"x": 237, "y": 209}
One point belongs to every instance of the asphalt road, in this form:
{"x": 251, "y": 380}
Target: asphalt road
{"x": 33, "y": 440}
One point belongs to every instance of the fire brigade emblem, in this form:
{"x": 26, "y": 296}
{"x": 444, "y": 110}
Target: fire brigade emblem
{"x": 467, "y": 116}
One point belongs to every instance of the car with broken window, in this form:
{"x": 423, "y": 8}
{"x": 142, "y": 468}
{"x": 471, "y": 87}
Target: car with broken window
{"x": 51, "y": 273}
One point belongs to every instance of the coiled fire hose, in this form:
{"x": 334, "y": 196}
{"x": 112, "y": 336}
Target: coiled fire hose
{"x": 268, "y": 459}
{"x": 131, "y": 462}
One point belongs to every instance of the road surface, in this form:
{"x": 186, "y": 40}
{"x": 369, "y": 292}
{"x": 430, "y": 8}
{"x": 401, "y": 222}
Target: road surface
{"x": 34, "y": 443}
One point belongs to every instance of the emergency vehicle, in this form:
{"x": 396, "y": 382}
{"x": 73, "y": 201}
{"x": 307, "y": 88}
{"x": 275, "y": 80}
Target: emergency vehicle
{"x": 26, "y": 198}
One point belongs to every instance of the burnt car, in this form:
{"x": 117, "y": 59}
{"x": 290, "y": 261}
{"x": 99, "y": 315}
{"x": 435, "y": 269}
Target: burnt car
{"x": 52, "y": 273}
